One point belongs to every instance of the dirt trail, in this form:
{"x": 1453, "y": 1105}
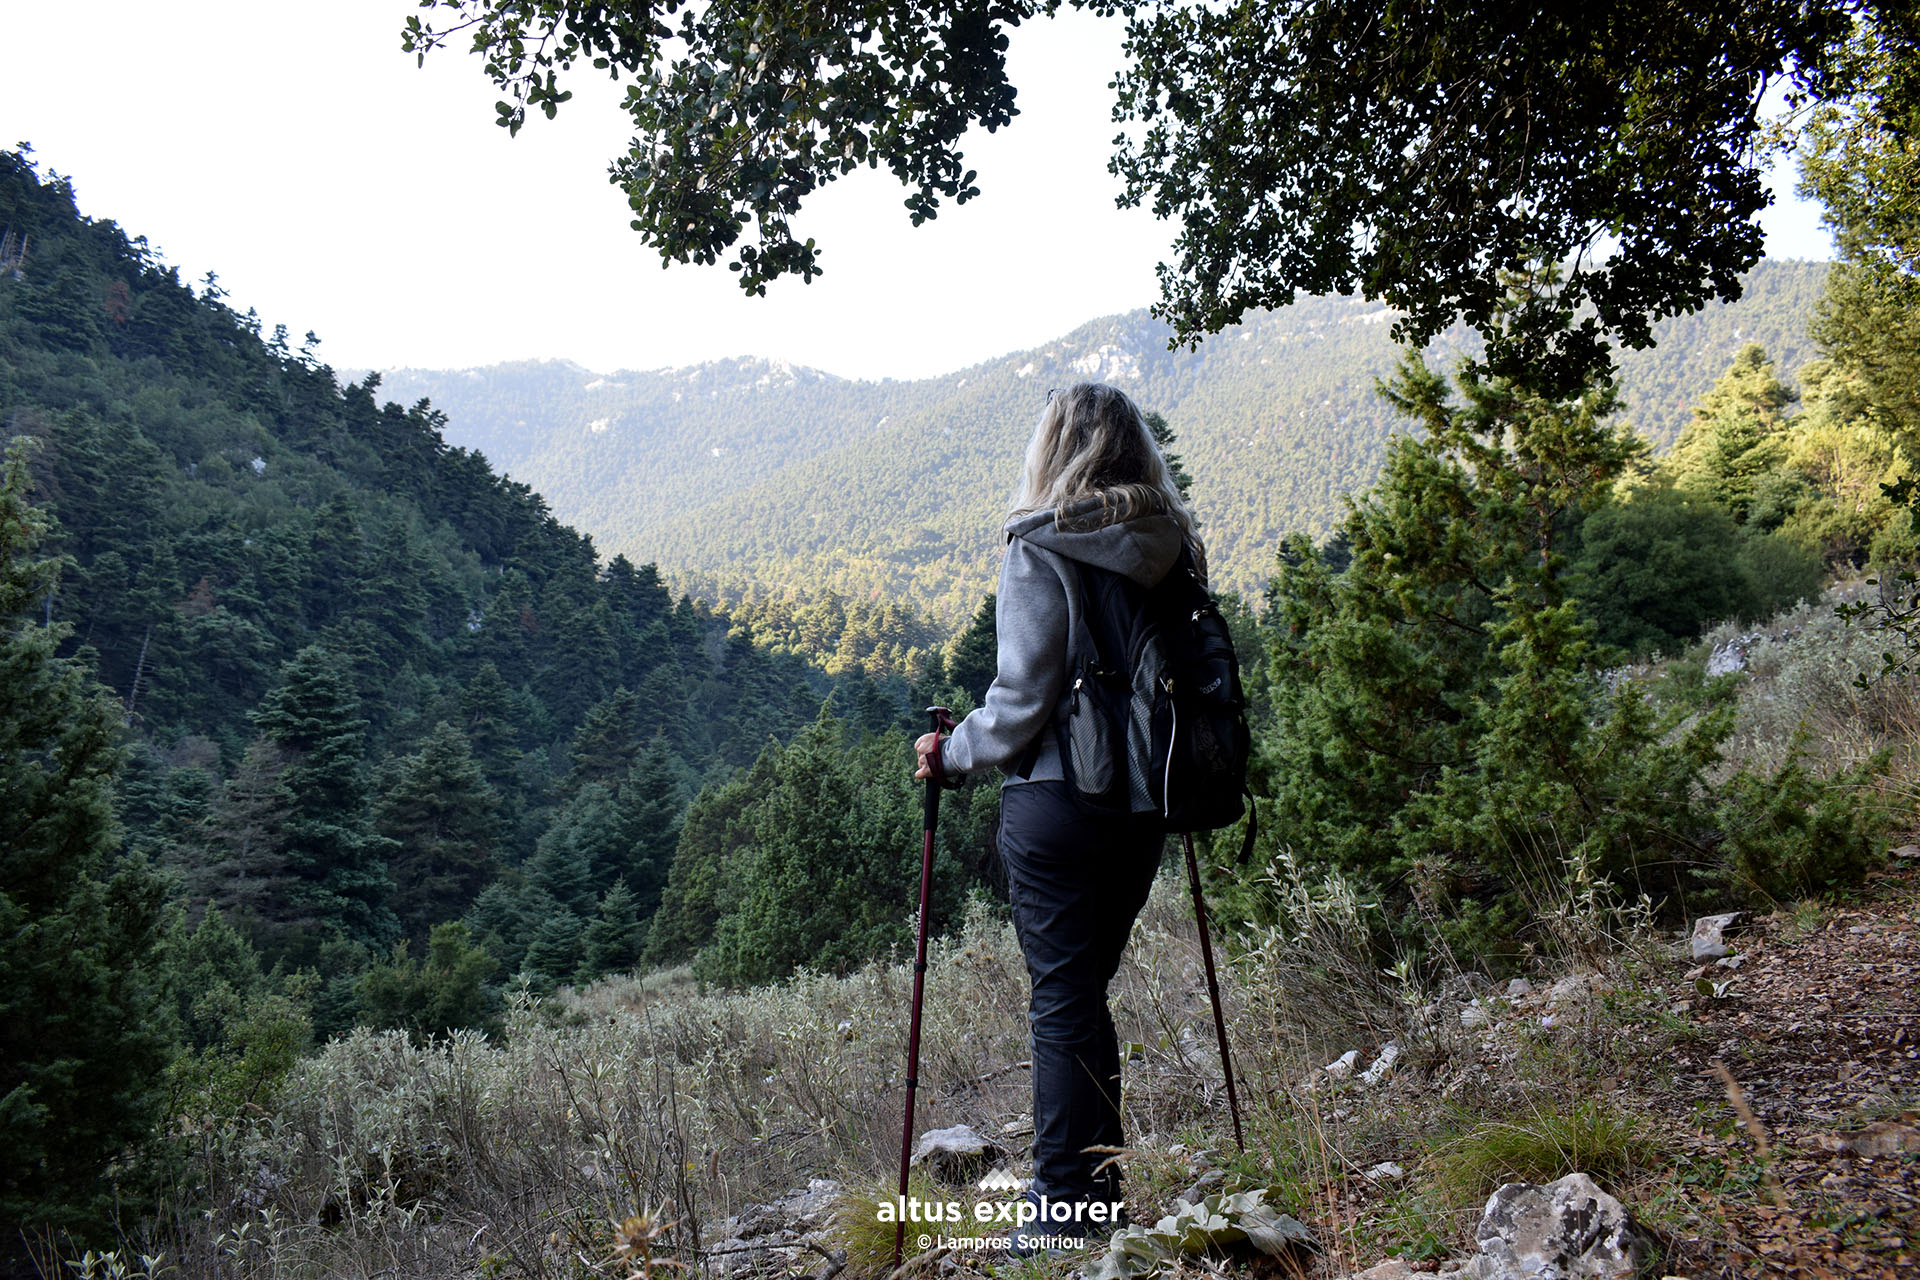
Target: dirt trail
{"x": 1821, "y": 1031}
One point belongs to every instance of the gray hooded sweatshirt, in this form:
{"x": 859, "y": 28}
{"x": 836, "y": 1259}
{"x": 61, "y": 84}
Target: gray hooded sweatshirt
{"x": 1037, "y": 609}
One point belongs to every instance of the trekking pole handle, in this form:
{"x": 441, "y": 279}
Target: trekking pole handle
{"x": 941, "y": 721}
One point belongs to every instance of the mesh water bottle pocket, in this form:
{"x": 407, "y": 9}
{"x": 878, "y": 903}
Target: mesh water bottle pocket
{"x": 1090, "y": 740}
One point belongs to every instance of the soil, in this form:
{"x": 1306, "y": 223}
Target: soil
{"x": 1820, "y": 1031}
{"x": 1780, "y": 1098}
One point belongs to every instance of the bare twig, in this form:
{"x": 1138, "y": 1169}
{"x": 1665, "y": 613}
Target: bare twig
{"x": 836, "y": 1261}
{"x": 1738, "y": 1097}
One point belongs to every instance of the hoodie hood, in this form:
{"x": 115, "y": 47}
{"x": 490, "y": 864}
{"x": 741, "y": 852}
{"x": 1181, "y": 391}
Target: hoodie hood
{"x": 1144, "y": 548}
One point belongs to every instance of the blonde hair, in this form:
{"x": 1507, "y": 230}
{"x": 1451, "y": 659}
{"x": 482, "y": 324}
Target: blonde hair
{"x": 1092, "y": 442}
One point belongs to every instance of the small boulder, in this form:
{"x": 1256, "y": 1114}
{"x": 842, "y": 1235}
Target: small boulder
{"x": 1876, "y": 1141}
{"x": 957, "y": 1156}
{"x": 1382, "y": 1066}
{"x": 1343, "y": 1066}
{"x": 1575, "y": 988}
{"x": 1570, "y": 1229}
{"x": 1391, "y": 1269}
{"x": 1709, "y": 936}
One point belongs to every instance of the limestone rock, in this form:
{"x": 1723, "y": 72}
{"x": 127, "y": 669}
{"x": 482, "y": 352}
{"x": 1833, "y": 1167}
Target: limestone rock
{"x": 1382, "y": 1066}
{"x": 1575, "y": 988}
{"x": 1731, "y": 655}
{"x": 1709, "y": 936}
{"x": 957, "y": 1156}
{"x": 1565, "y": 1230}
{"x": 1194, "y": 1193}
{"x": 771, "y": 1237}
{"x": 1391, "y": 1269}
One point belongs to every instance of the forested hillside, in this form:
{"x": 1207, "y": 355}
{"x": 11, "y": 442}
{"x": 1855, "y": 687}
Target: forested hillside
{"x": 775, "y": 488}
{"x": 312, "y": 720}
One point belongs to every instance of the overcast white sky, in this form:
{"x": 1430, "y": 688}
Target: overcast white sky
{"x": 335, "y": 187}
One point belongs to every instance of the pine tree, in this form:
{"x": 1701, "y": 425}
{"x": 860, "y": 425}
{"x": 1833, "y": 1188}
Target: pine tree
{"x": 437, "y": 808}
{"x": 332, "y": 849}
{"x": 82, "y": 1039}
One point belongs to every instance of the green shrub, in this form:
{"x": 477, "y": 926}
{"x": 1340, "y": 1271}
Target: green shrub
{"x": 1790, "y": 833}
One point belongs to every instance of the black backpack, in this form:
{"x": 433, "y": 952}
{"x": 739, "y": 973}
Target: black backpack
{"x": 1154, "y": 719}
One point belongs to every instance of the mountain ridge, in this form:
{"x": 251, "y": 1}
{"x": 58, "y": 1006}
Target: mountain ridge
{"x": 715, "y": 471}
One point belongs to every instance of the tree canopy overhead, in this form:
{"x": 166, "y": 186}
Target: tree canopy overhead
{"x": 1418, "y": 153}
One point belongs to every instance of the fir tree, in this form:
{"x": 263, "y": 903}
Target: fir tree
{"x": 1737, "y": 436}
{"x": 553, "y": 954}
{"x": 614, "y": 938}
{"x": 243, "y": 866}
{"x": 498, "y": 922}
{"x": 1437, "y": 730}
{"x": 584, "y": 841}
{"x": 974, "y": 659}
{"x": 606, "y": 742}
{"x": 82, "y": 1039}
{"x": 446, "y": 993}
{"x": 708, "y": 862}
{"x": 439, "y": 811}
{"x": 647, "y": 820}
{"x": 332, "y": 849}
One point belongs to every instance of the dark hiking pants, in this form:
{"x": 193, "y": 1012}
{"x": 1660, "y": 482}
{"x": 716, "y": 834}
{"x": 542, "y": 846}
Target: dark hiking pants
{"x": 1075, "y": 884}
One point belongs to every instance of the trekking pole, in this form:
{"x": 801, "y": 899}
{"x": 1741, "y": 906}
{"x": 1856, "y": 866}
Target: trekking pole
{"x": 1213, "y": 989}
{"x": 942, "y": 720}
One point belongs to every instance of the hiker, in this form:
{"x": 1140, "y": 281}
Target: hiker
{"x": 1095, "y": 490}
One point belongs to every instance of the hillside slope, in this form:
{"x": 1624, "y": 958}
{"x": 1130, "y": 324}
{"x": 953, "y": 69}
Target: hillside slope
{"x": 749, "y": 476}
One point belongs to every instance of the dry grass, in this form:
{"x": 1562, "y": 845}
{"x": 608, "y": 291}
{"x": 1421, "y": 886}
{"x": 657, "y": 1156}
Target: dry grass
{"x": 649, "y": 1094}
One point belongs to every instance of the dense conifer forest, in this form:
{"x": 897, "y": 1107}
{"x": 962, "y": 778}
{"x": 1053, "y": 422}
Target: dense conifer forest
{"x": 314, "y": 720}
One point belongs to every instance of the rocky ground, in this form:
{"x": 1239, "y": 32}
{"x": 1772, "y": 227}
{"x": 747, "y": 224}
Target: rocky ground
{"x": 1773, "y": 1090}
{"x": 1820, "y": 1032}
{"x": 1770, "y": 1094}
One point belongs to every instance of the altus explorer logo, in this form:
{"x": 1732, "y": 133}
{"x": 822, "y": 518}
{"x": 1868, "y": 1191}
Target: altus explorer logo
{"x": 1021, "y": 1211}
